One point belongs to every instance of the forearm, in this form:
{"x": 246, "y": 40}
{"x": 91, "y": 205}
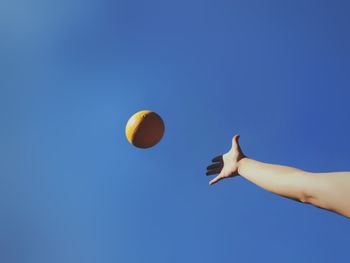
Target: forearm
{"x": 282, "y": 180}
{"x": 330, "y": 191}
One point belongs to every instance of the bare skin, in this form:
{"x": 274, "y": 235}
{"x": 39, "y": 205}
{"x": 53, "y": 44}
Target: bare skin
{"x": 329, "y": 191}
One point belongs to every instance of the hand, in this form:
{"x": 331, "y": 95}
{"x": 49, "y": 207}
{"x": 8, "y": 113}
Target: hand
{"x": 226, "y": 165}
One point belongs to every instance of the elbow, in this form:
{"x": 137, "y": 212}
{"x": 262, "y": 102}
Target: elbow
{"x": 306, "y": 198}
{"x": 322, "y": 190}
{"x": 315, "y": 190}
{"x": 308, "y": 193}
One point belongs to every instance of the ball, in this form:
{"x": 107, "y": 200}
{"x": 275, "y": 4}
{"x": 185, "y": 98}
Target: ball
{"x": 144, "y": 129}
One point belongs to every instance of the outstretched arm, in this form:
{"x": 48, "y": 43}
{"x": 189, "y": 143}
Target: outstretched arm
{"x": 330, "y": 191}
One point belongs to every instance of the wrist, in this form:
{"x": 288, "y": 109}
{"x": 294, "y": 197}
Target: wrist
{"x": 240, "y": 163}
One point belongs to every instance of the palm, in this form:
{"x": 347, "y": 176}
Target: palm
{"x": 226, "y": 165}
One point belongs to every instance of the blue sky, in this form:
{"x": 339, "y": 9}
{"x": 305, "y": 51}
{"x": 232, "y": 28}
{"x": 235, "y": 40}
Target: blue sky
{"x": 73, "y": 72}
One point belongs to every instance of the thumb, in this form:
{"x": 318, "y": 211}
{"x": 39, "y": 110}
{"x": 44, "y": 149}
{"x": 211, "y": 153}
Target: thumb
{"x": 236, "y": 146}
{"x": 235, "y": 140}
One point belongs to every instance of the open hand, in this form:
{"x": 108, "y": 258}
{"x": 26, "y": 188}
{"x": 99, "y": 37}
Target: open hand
{"x": 226, "y": 165}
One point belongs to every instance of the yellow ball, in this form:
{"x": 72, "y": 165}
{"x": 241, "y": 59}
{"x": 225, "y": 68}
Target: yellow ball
{"x": 144, "y": 129}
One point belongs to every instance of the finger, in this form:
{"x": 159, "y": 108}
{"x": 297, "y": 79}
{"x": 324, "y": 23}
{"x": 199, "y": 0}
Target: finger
{"x": 216, "y": 179}
{"x": 215, "y": 171}
{"x": 215, "y": 165}
{"x": 218, "y": 159}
